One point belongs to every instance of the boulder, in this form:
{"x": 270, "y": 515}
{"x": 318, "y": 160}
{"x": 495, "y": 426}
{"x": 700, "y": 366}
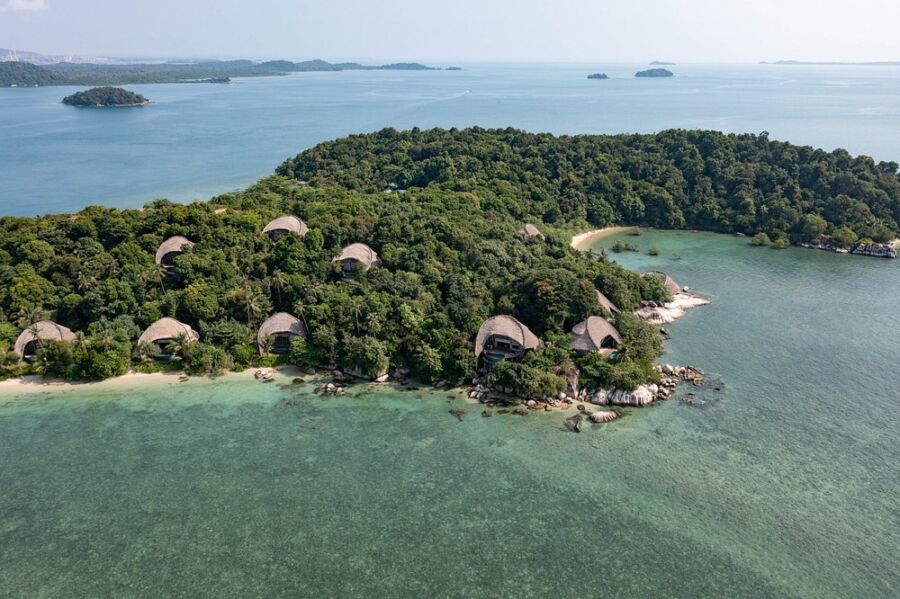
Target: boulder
{"x": 382, "y": 379}
{"x": 642, "y": 396}
{"x": 603, "y": 416}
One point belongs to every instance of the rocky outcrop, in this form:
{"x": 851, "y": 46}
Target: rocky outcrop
{"x": 603, "y": 416}
{"x": 879, "y": 250}
{"x": 642, "y": 396}
{"x": 660, "y": 313}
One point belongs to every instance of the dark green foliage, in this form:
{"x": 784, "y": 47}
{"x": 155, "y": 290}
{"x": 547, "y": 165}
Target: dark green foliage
{"x": 105, "y": 97}
{"x": 23, "y": 74}
{"x": 693, "y": 179}
{"x": 760, "y": 239}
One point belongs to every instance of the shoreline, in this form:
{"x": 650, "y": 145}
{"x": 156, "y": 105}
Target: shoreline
{"x": 37, "y": 383}
{"x": 581, "y": 240}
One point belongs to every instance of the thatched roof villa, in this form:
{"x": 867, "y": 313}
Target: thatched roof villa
{"x": 607, "y": 305}
{"x": 502, "y": 338}
{"x": 164, "y": 331}
{"x": 530, "y": 230}
{"x": 279, "y": 331}
{"x": 284, "y": 225}
{"x": 668, "y": 281}
{"x": 357, "y": 255}
{"x": 595, "y": 334}
{"x": 171, "y": 247}
{"x": 29, "y": 342}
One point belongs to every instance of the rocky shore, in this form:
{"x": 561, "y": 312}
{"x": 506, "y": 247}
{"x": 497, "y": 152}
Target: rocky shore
{"x": 878, "y": 250}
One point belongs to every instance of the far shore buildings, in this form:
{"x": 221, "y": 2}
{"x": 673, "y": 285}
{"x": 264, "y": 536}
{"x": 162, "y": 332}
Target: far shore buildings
{"x": 278, "y": 333}
{"x": 164, "y": 332}
{"x": 595, "y": 334}
{"x": 502, "y": 338}
{"x": 170, "y": 248}
{"x": 355, "y": 257}
{"x": 32, "y": 338}
{"x": 285, "y": 225}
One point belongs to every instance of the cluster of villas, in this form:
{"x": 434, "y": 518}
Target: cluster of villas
{"x": 500, "y": 337}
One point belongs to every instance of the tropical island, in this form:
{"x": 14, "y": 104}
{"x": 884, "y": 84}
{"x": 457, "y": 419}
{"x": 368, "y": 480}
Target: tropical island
{"x": 23, "y": 74}
{"x": 598, "y": 76}
{"x": 467, "y": 275}
{"x": 655, "y": 73}
{"x": 105, "y": 97}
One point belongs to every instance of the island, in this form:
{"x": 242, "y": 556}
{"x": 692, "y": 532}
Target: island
{"x": 661, "y": 63}
{"x": 597, "y": 76}
{"x": 446, "y": 283}
{"x": 22, "y": 74}
{"x": 105, "y": 97}
{"x": 655, "y": 73}
{"x": 453, "y": 69}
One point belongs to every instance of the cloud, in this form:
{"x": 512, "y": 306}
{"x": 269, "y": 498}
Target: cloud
{"x": 23, "y": 6}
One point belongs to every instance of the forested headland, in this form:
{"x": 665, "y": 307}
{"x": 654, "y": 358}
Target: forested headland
{"x": 443, "y": 210}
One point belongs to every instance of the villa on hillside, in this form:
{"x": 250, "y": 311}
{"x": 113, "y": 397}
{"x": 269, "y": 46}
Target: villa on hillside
{"x": 607, "y": 305}
{"x": 170, "y": 248}
{"x": 163, "y": 333}
{"x": 670, "y": 284}
{"x": 278, "y": 332}
{"x": 595, "y": 334}
{"x": 502, "y": 338}
{"x": 30, "y": 341}
{"x": 284, "y": 225}
{"x": 355, "y": 257}
{"x": 530, "y": 230}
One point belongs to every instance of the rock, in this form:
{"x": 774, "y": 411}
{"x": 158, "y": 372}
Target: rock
{"x": 460, "y": 414}
{"x": 641, "y": 396}
{"x": 382, "y": 379}
{"x": 603, "y": 416}
{"x": 880, "y": 250}
{"x": 486, "y": 414}
{"x": 520, "y": 411}
{"x": 653, "y": 388}
{"x": 264, "y": 374}
{"x": 561, "y": 396}
{"x": 573, "y": 423}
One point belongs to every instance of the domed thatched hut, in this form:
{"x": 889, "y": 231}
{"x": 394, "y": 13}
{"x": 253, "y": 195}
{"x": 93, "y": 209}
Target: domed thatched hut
{"x": 29, "y": 342}
{"x": 170, "y": 248}
{"x": 530, "y": 230}
{"x": 281, "y": 329}
{"x": 595, "y": 334}
{"x": 285, "y": 225}
{"x": 164, "y": 332}
{"x": 607, "y": 305}
{"x": 357, "y": 255}
{"x": 502, "y": 338}
{"x": 668, "y": 281}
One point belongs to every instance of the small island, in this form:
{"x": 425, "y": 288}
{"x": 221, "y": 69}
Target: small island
{"x": 655, "y": 73}
{"x": 105, "y": 97}
{"x": 598, "y": 76}
{"x": 661, "y": 63}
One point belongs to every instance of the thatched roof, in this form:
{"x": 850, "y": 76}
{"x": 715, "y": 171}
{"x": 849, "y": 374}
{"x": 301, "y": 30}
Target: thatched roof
{"x": 588, "y": 335}
{"x": 172, "y": 245}
{"x": 279, "y": 324}
{"x": 668, "y": 281}
{"x": 167, "y": 328}
{"x": 46, "y": 331}
{"x": 530, "y": 230}
{"x": 607, "y": 305}
{"x": 361, "y": 253}
{"x": 290, "y": 224}
{"x": 506, "y": 326}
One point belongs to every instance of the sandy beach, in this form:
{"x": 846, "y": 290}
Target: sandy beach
{"x": 36, "y": 383}
{"x": 582, "y": 240}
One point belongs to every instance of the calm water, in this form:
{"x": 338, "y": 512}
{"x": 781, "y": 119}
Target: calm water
{"x": 784, "y": 484}
{"x": 197, "y": 140}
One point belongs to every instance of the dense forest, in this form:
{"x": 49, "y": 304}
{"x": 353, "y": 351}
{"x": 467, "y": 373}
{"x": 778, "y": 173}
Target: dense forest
{"x": 104, "y": 97}
{"x": 449, "y": 262}
{"x": 674, "y": 179}
{"x": 22, "y": 74}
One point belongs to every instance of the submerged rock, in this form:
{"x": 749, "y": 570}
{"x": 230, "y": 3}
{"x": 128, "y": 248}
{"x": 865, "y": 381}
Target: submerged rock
{"x": 603, "y": 416}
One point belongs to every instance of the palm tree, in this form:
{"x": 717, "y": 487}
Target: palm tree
{"x": 300, "y": 309}
{"x": 29, "y": 316}
{"x": 278, "y": 282}
{"x": 85, "y": 281}
{"x": 157, "y": 274}
{"x": 268, "y": 344}
{"x": 356, "y": 308}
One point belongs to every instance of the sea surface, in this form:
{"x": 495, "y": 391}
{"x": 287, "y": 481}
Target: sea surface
{"x": 197, "y": 140}
{"x": 783, "y": 484}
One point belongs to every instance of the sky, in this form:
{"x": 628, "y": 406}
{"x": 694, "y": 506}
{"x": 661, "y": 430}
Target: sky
{"x": 460, "y": 30}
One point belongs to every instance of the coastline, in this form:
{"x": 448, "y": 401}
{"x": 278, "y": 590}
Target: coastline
{"x": 37, "y": 383}
{"x": 580, "y": 241}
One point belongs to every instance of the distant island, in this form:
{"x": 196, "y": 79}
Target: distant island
{"x": 24, "y": 74}
{"x": 598, "y": 76}
{"x": 105, "y": 97}
{"x": 886, "y": 63}
{"x": 661, "y": 63}
{"x": 655, "y": 73}
{"x": 453, "y": 69}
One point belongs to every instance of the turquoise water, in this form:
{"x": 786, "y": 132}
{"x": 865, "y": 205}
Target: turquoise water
{"x": 783, "y": 484}
{"x": 197, "y": 140}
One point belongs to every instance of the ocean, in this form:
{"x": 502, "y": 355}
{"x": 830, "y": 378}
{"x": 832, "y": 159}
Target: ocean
{"x": 197, "y": 140}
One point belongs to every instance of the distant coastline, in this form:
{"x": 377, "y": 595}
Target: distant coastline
{"x": 885, "y": 63}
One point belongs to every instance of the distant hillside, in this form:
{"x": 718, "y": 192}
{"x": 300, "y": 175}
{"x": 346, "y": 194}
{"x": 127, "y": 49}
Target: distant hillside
{"x": 22, "y": 74}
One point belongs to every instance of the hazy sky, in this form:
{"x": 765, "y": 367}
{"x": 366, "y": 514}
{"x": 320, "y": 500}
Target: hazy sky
{"x": 464, "y": 30}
